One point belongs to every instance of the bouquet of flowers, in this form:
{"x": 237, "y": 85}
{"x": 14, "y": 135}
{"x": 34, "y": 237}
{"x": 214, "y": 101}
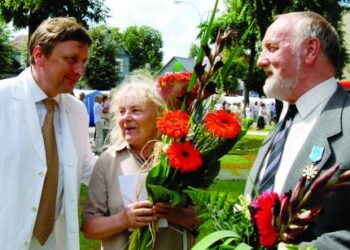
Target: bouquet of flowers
{"x": 269, "y": 220}
{"x": 194, "y": 135}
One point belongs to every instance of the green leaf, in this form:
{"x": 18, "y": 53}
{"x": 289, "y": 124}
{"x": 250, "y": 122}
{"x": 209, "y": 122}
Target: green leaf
{"x": 134, "y": 239}
{"x": 226, "y": 247}
{"x": 158, "y": 173}
{"x": 201, "y": 54}
{"x": 233, "y": 55}
{"x": 228, "y": 241}
{"x": 160, "y": 193}
{"x": 243, "y": 246}
{"x": 212, "y": 238}
{"x": 146, "y": 239}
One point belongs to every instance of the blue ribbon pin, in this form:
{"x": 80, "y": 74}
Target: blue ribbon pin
{"x": 316, "y": 154}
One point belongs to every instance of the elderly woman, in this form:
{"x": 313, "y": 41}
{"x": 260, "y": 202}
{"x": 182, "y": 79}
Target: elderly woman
{"x": 135, "y": 105}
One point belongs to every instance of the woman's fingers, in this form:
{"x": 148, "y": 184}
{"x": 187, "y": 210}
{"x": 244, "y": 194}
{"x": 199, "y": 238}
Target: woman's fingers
{"x": 145, "y": 219}
{"x": 140, "y": 213}
{"x": 163, "y": 205}
{"x": 144, "y": 211}
{"x": 140, "y": 204}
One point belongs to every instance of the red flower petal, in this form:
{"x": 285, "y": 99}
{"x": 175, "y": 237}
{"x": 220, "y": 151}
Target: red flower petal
{"x": 173, "y": 86}
{"x": 263, "y": 218}
{"x": 223, "y": 124}
{"x": 184, "y": 157}
{"x": 174, "y": 124}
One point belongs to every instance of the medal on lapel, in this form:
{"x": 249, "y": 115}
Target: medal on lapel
{"x": 315, "y": 156}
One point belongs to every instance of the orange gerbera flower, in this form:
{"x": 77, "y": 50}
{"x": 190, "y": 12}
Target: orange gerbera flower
{"x": 172, "y": 87}
{"x": 174, "y": 124}
{"x": 184, "y": 157}
{"x": 223, "y": 124}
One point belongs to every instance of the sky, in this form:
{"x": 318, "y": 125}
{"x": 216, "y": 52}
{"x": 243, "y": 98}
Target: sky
{"x": 176, "y": 22}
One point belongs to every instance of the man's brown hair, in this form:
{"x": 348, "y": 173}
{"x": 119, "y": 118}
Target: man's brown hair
{"x": 54, "y": 30}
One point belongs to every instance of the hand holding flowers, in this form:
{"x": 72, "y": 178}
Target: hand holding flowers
{"x": 182, "y": 216}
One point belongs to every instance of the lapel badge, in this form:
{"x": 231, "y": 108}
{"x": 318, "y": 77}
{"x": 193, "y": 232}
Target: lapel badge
{"x": 310, "y": 171}
{"x": 315, "y": 156}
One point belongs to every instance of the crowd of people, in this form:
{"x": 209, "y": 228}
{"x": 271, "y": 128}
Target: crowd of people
{"x": 263, "y": 112}
{"x": 101, "y": 117}
{"x": 45, "y": 151}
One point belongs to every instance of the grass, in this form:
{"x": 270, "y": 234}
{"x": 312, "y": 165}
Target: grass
{"x": 85, "y": 244}
{"x": 241, "y": 156}
{"x": 234, "y": 187}
{"x": 249, "y": 144}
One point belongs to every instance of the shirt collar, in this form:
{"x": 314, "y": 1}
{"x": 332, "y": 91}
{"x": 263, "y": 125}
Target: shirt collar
{"x": 123, "y": 145}
{"x": 315, "y": 96}
{"x": 37, "y": 93}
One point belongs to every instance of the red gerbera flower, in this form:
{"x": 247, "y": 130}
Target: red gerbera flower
{"x": 223, "y": 124}
{"x": 172, "y": 87}
{"x": 264, "y": 220}
{"x": 184, "y": 157}
{"x": 174, "y": 124}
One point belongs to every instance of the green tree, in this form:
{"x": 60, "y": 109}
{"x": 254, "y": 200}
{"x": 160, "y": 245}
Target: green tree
{"x": 258, "y": 14}
{"x": 240, "y": 18}
{"x": 145, "y": 46}
{"x": 193, "y": 51}
{"x": 5, "y": 48}
{"x": 30, "y": 13}
{"x": 102, "y": 70}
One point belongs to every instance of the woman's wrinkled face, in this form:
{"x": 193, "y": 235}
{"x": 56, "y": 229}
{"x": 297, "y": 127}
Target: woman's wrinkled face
{"x": 137, "y": 120}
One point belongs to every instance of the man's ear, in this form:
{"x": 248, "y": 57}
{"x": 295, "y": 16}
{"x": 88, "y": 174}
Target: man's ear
{"x": 38, "y": 55}
{"x": 311, "y": 50}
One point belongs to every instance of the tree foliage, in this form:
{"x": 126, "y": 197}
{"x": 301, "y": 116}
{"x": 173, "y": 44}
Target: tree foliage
{"x": 30, "y": 13}
{"x": 258, "y": 14}
{"x": 193, "y": 51}
{"x": 5, "y": 48}
{"x": 145, "y": 46}
{"x": 102, "y": 70}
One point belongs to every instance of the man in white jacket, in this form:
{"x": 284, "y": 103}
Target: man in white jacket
{"x": 58, "y": 52}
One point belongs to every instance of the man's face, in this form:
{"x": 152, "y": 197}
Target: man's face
{"x": 280, "y": 59}
{"x": 62, "y": 69}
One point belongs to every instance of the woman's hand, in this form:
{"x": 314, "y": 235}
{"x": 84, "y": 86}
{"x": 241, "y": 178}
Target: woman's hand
{"x": 139, "y": 214}
{"x": 182, "y": 216}
{"x": 135, "y": 215}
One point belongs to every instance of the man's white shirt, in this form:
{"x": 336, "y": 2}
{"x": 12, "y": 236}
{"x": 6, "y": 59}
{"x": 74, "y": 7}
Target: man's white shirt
{"x": 309, "y": 106}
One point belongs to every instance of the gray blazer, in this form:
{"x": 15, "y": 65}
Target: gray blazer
{"x": 331, "y": 131}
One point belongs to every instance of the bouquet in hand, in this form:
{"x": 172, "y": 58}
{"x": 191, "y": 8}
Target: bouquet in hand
{"x": 194, "y": 135}
{"x": 269, "y": 220}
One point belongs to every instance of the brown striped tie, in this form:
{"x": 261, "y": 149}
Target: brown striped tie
{"x": 47, "y": 208}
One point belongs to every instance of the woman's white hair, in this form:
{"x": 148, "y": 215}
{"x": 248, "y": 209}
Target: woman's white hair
{"x": 140, "y": 85}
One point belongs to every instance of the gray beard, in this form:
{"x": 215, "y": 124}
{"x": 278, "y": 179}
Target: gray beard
{"x": 276, "y": 87}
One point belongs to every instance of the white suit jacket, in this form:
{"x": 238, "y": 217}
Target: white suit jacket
{"x": 23, "y": 165}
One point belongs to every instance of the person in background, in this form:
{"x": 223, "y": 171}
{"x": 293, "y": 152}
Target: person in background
{"x": 262, "y": 113}
{"x": 247, "y": 111}
{"x": 106, "y": 116}
{"x": 99, "y": 124}
{"x": 272, "y": 113}
{"x": 300, "y": 52}
{"x": 225, "y": 105}
{"x": 45, "y": 150}
{"x": 82, "y": 96}
{"x": 136, "y": 106}
{"x": 255, "y": 110}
